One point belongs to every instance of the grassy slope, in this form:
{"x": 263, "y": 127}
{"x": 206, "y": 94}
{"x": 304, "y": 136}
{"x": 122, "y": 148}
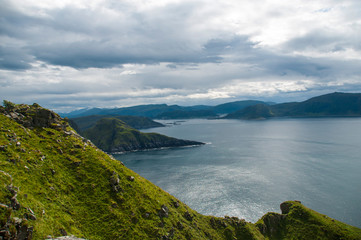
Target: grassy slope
{"x": 113, "y": 135}
{"x": 304, "y": 223}
{"x": 67, "y": 183}
{"x": 84, "y": 123}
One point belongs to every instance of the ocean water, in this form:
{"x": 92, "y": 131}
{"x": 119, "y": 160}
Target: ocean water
{"x": 247, "y": 168}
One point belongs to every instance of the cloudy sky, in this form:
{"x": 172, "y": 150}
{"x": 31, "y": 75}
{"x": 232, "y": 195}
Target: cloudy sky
{"x": 69, "y": 54}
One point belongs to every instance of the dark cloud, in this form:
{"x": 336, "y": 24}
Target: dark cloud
{"x": 321, "y": 40}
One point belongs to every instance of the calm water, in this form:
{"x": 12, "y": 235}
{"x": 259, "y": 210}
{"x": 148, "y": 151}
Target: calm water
{"x": 249, "y": 167}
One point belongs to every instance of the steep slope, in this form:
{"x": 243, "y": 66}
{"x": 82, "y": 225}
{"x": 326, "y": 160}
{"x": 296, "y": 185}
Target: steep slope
{"x": 53, "y": 182}
{"x": 113, "y": 135}
{"x": 137, "y": 122}
{"x": 329, "y": 105}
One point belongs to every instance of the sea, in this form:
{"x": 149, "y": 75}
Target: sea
{"x": 248, "y": 168}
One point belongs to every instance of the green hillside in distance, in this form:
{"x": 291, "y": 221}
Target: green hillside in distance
{"x": 164, "y": 111}
{"x": 329, "y": 105}
{"x": 137, "y": 122}
{"x": 53, "y": 183}
{"x": 113, "y": 135}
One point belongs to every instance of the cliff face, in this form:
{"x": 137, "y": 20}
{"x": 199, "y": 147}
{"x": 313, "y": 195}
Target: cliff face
{"x": 113, "y": 135}
{"x": 56, "y": 183}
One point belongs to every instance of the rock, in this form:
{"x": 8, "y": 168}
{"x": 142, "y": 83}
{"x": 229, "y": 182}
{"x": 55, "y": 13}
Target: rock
{"x": 63, "y": 232}
{"x": 114, "y": 179}
{"x": 146, "y": 215}
{"x": 25, "y": 233}
{"x": 180, "y": 225}
{"x": 285, "y": 207}
{"x": 68, "y": 238}
{"x": 188, "y": 216}
{"x": 271, "y": 223}
{"x": 175, "y": 203}
{"x": 29, "y": 216}
{"x": 14, "y": 203}
{"x": 163, "y": 212}
{"x": 3, "y": 148}
{"x": 114, "y": 182}
{"x": 17, "y": 221}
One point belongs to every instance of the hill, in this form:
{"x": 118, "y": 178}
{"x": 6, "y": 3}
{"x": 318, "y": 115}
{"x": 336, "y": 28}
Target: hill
{"x": 235, "y": 106}
{"x": 137, "y": 122}
{"x": 151, "y": 111}
{"x": 329, "y": 105}
{"x": 113, "y": 135}
{"x": 56, "y": 183}
{"x": 164, "y": 111}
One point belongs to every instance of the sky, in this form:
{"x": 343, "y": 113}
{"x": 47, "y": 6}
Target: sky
{"x": 71, "y": 54}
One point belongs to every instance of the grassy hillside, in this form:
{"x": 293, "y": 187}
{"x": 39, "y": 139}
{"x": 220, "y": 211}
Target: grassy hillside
{"x": 137, "y": 122}
{"x": 54, "y": 182}
{"x": 113, "y": 135}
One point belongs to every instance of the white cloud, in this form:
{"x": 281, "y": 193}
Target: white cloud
{"x": 109, "y": 53}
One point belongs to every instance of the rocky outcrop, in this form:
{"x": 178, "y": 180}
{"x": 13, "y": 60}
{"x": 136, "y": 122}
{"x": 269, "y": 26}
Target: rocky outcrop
{"x": 14, "y": 227}
{"x": 31, "y": 116}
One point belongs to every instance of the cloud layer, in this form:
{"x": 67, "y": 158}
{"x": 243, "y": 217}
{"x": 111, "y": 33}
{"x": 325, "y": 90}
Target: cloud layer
{"x": 70, "y": 54}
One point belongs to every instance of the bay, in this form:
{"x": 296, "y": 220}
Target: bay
{"x": 247, "y": 168}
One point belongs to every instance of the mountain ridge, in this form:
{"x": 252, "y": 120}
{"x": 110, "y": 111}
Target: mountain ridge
{"x": 329, "y": 105}
{"x": 164, "y": 111}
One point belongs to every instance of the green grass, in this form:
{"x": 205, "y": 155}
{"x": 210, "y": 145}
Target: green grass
{"x": 304, "y": 223}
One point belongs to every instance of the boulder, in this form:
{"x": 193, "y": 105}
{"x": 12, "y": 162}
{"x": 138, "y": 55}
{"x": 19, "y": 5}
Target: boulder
{"x": 163, "y": 212}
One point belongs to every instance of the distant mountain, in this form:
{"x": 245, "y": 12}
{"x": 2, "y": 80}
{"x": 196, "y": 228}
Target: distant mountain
{"x": 82, "y": 123}
{"x": 113, "y": 135}
{"x": 259, "y": 111}
{"x": 330, "y": 105}
{"x": 151, "y": 111}
{"x": 164, "y": 111}
{"x": 234, "y": 106}
{"x": 187, "y": 114}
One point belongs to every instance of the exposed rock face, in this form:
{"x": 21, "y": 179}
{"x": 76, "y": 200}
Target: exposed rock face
{"x": 13, "y": 227}
{"x": 34, "y": 116}
{"x": 271, "y": 223}
{"x": 66, "y": 238}
{"x": 285, "y": 207}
